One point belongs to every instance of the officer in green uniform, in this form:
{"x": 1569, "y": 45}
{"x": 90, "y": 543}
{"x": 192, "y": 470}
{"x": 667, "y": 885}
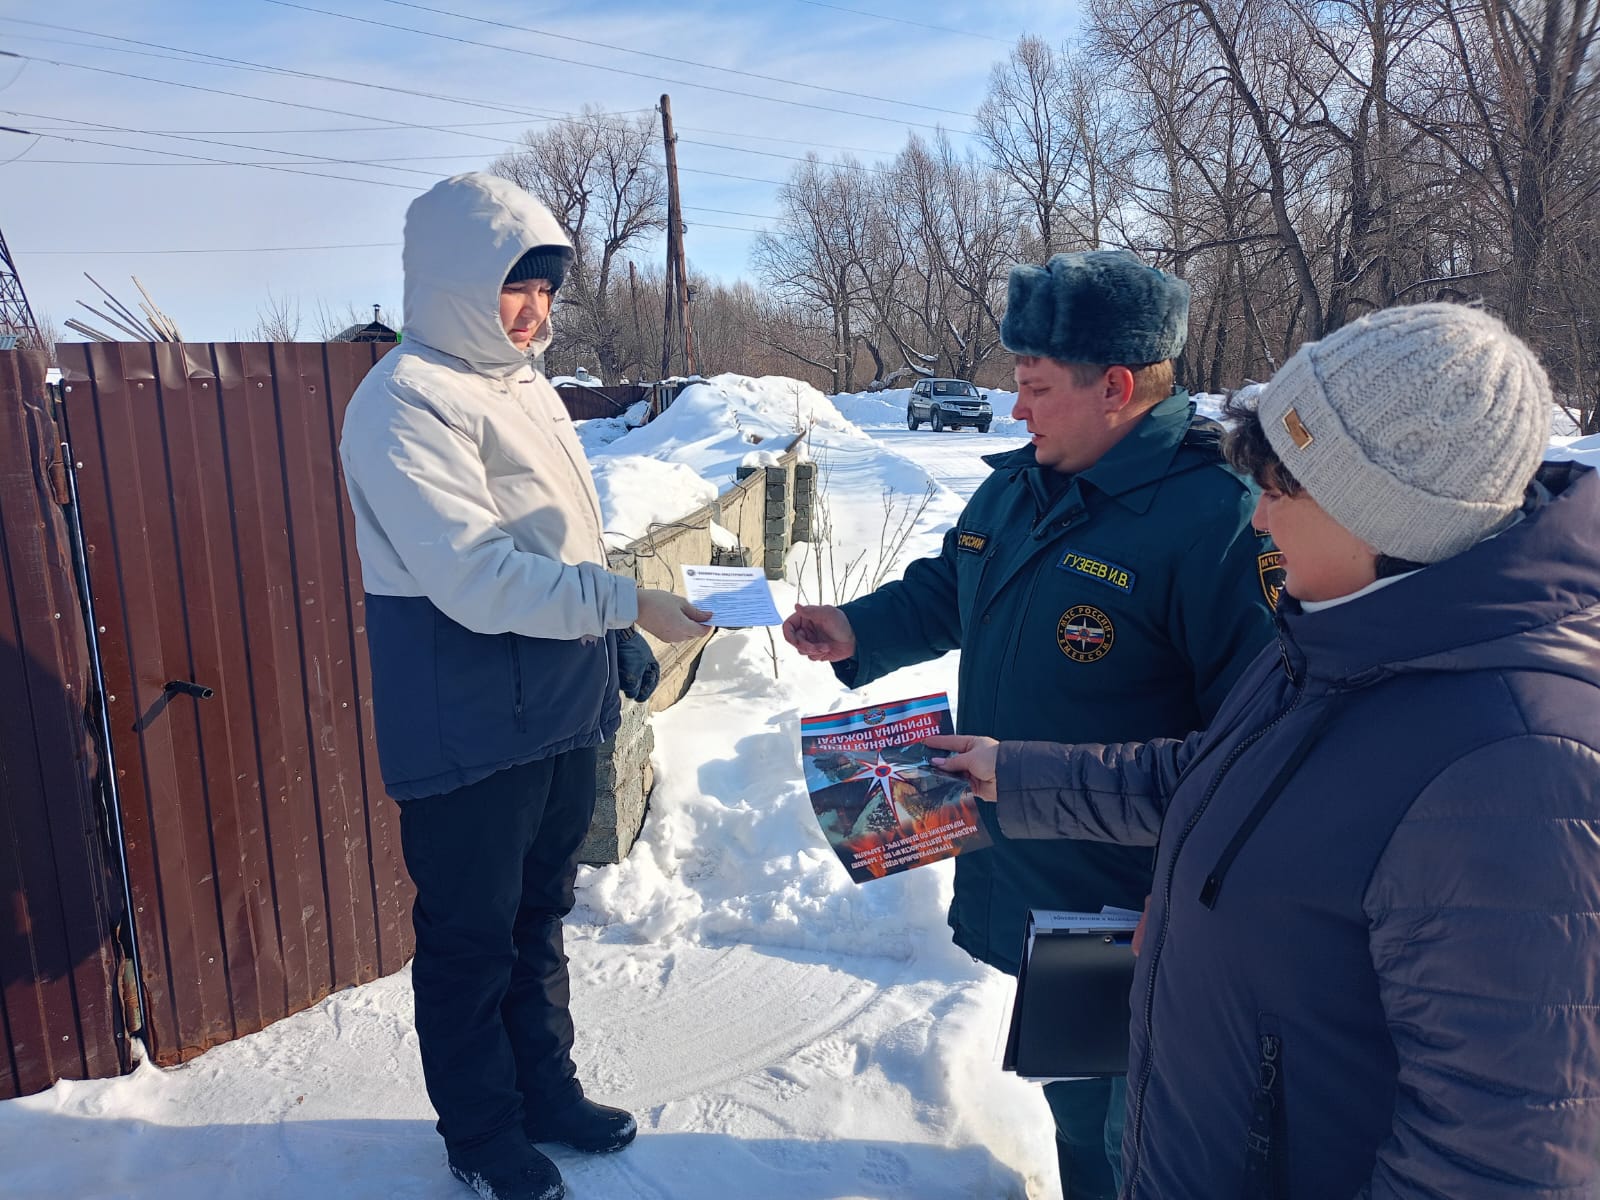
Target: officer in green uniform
{"x": 1104, "y": 584}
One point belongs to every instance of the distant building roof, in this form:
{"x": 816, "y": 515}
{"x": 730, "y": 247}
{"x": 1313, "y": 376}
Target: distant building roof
{"x": 373, "y": 331}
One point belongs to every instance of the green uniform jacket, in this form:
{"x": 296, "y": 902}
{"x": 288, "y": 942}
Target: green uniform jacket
{"x": 1116, "y": 605}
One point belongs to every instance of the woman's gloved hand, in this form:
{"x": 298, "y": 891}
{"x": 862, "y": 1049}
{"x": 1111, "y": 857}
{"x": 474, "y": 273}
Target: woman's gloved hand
{"x": 638, "y": 673}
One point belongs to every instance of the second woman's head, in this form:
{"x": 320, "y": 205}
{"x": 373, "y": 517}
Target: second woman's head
{"x": 1397, "y": 441}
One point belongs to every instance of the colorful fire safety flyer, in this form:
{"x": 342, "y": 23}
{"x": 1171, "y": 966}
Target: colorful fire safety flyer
{"x": 882, "y": 804}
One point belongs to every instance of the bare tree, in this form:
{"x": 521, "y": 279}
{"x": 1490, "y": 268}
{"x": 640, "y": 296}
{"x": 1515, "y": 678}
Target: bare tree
{"x": 958, "y": 211}
{"x": 331, "y": 322}
{"x": 813, "y": 261}
{"x": 49, "y": 334}
{"x": 1025, "y": 127}
{"x": 1512, "y": 83}
{"x": 277, "y": 320}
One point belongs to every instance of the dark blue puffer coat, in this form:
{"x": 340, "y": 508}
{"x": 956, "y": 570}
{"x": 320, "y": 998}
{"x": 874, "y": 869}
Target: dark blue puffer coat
{"x": 1372, "y": 966}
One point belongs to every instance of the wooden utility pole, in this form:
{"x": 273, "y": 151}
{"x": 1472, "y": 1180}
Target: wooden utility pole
{"x": 638, "y": 324}
{"x": 674, "y": 234}
{"x": 677, "y": 264}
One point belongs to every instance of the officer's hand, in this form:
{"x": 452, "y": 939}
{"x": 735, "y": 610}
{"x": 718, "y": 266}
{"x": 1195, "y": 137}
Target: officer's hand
{"x": 821, "y": 632}
{"x": 669, "y": 617}
{"x": 974, "y": 757}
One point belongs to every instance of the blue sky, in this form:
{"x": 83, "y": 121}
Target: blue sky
{"x": 62, "y": 218}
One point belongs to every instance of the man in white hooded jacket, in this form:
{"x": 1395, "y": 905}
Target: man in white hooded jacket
{"x": 492, "y": 624}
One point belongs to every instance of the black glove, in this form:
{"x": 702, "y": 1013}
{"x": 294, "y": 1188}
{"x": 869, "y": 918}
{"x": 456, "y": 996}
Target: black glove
{"x": 637, "y": 669}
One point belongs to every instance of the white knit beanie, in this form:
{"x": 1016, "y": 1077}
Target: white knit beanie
{"x": 1417, "y": 429}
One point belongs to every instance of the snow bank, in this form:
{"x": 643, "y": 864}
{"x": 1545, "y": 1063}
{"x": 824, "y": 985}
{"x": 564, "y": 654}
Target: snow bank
{"x": 1585, "y": 449}
{"x": 732, "y": 853}
{"x": 873, "y": 410}
{"x": 638, "y": 493}
{"x": 712, "y": 425}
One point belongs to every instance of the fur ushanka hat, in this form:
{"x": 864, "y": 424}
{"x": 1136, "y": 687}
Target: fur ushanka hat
{"x": 1098, "y": 306}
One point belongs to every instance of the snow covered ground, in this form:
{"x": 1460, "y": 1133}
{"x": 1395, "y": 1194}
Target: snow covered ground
{"x": 782, "y": 1033}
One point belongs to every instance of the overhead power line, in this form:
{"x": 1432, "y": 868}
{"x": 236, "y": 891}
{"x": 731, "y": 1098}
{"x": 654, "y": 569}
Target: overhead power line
{"x": 762, "y": 137}
{"x": 764, "y": 153}
{"x": 377, "y": 161}
{"x": 234, "y": 249}
{"x": 285, "y": 168}
{"x": 707, "y": 87}
{"x": 729, "y": 212}
{"x": 861, "y": 12}
{"x": 128, "y": 162}
{"x": 312, "y": 158}
{"x": 72, "y": 123}
{"x": 294, "y": 154}
{"x": 204, "y": 58}
{"x": 195, "y": 87}
{"x": 725, "y": 175}
{"x": 380, "y": 124}
{"x": 686, "y": 62}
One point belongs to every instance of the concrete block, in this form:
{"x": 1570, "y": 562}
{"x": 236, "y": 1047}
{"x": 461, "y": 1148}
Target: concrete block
{"x": 623, "y": 779}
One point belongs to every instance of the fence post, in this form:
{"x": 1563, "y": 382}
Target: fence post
{"x": 805, "y": 502}
{"x": 776, "y": 540}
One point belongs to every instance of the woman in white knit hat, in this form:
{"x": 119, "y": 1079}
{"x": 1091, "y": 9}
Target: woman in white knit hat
{"x": 1372, "y": 960}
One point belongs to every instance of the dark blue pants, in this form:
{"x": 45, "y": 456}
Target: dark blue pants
{"x": 494, "y": 864}
{"x": 1081, "y": 1108}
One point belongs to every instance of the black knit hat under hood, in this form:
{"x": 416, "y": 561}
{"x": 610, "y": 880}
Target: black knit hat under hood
{"x": 542, "y": 262}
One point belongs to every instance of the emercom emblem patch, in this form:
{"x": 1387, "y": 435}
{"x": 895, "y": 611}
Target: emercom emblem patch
{"x": 1270, "y": 566}
{"x": 1099, "y": 570}
{"x": 1085, "y": 634}
{"x": 972, "y": 543}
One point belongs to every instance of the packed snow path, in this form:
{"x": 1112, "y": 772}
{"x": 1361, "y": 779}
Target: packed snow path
{"x": 953, "y": 459}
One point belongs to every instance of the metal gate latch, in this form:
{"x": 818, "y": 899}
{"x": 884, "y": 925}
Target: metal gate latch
{"x": 183, "y": 687}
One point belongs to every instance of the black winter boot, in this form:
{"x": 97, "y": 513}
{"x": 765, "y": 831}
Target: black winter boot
{"x": 534, "y": 1177}
{"x": 587, "y": 1126}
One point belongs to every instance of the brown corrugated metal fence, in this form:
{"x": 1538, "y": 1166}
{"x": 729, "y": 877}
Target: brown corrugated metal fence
{"x": 58, "y": 903}
{"x": 585, "y": 403}
{"x": 263, "y": 857}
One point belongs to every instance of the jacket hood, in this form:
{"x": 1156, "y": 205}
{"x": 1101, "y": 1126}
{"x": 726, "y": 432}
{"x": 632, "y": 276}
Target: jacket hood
{"x": 462, "y": 236}
{"x": 1526, "y": 599}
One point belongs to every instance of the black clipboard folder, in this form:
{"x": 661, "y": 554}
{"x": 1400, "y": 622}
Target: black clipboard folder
{"x": 1070, "y": 1019}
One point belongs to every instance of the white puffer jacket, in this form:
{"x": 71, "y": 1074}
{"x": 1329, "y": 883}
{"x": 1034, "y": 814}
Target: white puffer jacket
{"x": 476, "y": 517}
